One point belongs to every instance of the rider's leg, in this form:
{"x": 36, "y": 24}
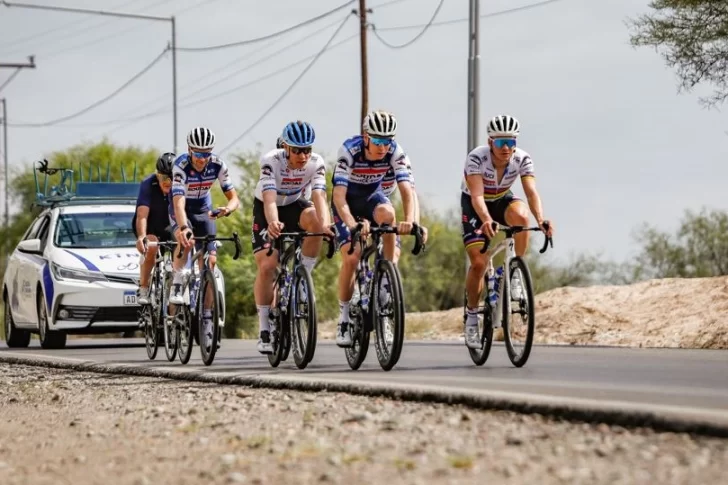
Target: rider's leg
{"x": 310, "y": 222}
{"x": 345, "y": 281}
{"x": 516, "y": 214}
{"x": 264, "y": 276}
{"x": 397, "y": 249}
{"x": 384, "y": 214}
{"x": 145, "y": 270}
{"x": 474, "y": 240}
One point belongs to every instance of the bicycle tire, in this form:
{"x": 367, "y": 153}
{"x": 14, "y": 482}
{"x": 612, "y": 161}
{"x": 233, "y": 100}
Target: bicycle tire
{"x": 277, "y": 335}
{"x": 519, "y": 360}
{"x": 360, "y": 333}
{"x": 303, "y": 347}
{"x": 171, "y": 338}
{"x": 150, "y": 332}
{"x": 480, "y": 356}
{"x": 207, "y": 280}
{"x": 185, "y": 326}
{"x": 388, "y": 358}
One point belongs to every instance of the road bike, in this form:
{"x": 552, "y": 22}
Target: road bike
{"x": 512, "y": 295}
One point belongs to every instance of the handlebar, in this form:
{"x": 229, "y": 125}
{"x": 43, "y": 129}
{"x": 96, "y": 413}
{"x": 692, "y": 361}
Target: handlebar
{"x": 510, "y": 231}
{"x": 208, "y": 239}
{"x": 416, "y": 232}
{"x": 303, "y": 234}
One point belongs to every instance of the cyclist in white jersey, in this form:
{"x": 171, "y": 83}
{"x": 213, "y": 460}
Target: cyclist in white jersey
{"x": 279, "y": 205}
{"x": 490, "y": 171}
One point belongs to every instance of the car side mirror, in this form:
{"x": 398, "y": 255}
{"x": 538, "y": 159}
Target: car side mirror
{"x": 30, "y": 246}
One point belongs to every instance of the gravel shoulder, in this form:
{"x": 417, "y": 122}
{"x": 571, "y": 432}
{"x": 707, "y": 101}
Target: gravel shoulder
{"x": 82, "y": 428}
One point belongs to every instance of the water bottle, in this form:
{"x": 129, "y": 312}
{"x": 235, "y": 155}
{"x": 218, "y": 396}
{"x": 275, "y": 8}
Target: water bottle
{"x": 193, "y": 293}
{"x": 493, "y": 285}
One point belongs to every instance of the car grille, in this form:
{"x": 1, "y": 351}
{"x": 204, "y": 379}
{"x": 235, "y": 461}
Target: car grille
{"x": 103, "y": 314}
{"x": 129, "y": 280}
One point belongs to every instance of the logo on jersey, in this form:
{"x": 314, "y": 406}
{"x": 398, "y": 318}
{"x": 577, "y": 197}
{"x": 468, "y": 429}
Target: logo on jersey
{"x": 266, "y": 170}
{"x": 178, "y": 178}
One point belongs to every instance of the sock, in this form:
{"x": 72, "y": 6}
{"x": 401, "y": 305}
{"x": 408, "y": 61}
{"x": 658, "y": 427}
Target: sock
{"x": 177, "y": 278}
{"x": 344, "y": 307}
{"x": 263, "y": 321}
{"x": 207, "y": 314}
{"x": 308, "y": 263}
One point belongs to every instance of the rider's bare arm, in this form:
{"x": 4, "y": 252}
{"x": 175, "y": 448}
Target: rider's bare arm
{"x": 179, "y": 193}
{"x": 408, "y": 200}
{"x": 339, "y": 196}
{"x": 341, "y": 184}
{"x": 270, "y": 206}
{"x": 233, "y": 200}
{"x": 142, "y": 214}
{"x": 534, "y": 200}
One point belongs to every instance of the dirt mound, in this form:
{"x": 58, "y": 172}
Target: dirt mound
{"x": 674, "y": 312}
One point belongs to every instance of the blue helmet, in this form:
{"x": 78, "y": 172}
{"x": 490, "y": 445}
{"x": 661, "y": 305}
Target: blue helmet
{"x": 298, "y": 134}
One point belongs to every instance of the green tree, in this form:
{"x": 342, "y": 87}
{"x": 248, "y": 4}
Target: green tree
{"x": 692, "y": 36}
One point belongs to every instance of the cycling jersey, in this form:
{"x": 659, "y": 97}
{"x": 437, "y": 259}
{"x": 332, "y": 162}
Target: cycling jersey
{"x": 195, "y": 186}
{"x": 363, "y": 177}
{"x": 151, "y": 196}
{"x": 389, "y": 182}
{"x": 290, "y": 184}
{"x": 480, "y": 162}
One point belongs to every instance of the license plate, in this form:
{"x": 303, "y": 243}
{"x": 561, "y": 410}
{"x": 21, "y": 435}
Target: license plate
{"x": 130, "y": 297}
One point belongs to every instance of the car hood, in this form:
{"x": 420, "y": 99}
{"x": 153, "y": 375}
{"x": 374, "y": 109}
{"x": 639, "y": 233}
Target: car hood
{"x": 102, "y": 260}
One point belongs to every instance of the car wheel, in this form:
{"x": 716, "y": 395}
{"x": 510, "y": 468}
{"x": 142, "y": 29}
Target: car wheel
{"x": 49, "y": 339}
{"x": 14, "y": 337}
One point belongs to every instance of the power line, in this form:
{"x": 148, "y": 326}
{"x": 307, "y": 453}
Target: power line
{"x": 269, "y": 36}
{"x": 99, "y": 102}
{"x": 12, "y": 76}
{"x": 414, "y": 39}
{"x": 457, "y": 21}
{"x": 289, "y": 89}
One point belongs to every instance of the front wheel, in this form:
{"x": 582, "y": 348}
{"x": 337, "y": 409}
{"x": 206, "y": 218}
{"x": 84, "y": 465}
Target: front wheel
{"x": 149, "y": 322}
{"x": 303, "y": 318}
{"x": 518, "y": 302}
{"x": 208, "y": 344}
{"x": 388, "y": 314}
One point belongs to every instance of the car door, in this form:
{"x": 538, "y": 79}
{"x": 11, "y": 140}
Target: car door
{"x": 18, "y": 272}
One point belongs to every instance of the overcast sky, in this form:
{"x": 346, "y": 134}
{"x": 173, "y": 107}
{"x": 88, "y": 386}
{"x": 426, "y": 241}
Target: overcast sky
{"x": 613, "y": 143}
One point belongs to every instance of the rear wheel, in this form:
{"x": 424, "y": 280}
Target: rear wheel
{"x": 357, "y": 353}
{"x": 185, "y": 331}
{"x": 208, "y": 284}
{"x": 14, "y": 337}
{"x": 303, "y": 318}
{"x": 149, "y": 322}
{"x": 278, "y": 334}
{"x": 518, "y": 314}
{"x": 485, "y": 330}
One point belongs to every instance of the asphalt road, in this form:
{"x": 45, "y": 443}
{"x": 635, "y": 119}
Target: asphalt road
{"x": 693, "y": 381}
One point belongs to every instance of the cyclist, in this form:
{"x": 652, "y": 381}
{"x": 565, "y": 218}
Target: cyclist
{"x": 279, "y": 204}
{"x": 193, "y": 175}
{"x": 362, "y": 163}
{"x": 490, "y": 171}
{"x": 151, "y": 218}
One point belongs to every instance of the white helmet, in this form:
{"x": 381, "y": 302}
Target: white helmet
{"x": 503, "y": 125}
{"x": 201, "y": 138}
{"x": 380, "y": 123}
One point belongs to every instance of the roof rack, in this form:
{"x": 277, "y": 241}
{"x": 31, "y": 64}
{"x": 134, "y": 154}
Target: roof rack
{"x": 70, "y": 191}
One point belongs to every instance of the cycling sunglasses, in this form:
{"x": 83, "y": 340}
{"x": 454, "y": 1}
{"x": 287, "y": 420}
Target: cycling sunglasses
{"x": 381, "y": 142}
{"x": 164, "y": 177}
{"x": 301, "y": 150}
{"x": 501, "y": 142}
{"x": 202, "y": 155}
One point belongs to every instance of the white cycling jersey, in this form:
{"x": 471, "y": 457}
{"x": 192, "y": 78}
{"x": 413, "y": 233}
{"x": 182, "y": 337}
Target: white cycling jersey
{"x": 289, "y": 183}
{"x": 480, "y": 162}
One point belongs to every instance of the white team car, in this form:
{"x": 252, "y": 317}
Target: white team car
{"x": 75, "y": 271}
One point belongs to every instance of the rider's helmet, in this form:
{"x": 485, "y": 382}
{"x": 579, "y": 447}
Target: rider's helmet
{"x": 279, "y": 142}
{"x": 503, "y": 126}
{"x": 380, "y": 123}
{"x": 298, "y": 134}
{"x": 165, "y": 163}
{"x": 201, "y": 138}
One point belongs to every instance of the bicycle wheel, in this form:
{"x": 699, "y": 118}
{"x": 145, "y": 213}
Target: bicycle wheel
{"x": 277, "y": 335}
{"x": 208, "y": 285}
{"x": 479, "y": 356}
{"x": 150, "y": 331}
{"x": 303, "y": 318}
{"x": 185, "y": 328}
{"x": 388, "y": 316}
{"x": 519, "y": 285}
{"x": 171, "y": 334}
{"x": 360, "y": 328}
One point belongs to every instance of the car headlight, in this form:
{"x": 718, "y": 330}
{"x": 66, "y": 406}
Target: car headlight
{"x": 62, "y": 273}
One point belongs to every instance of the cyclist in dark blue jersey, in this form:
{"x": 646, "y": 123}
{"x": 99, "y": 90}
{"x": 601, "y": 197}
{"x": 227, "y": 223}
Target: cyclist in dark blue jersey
{"x": 151, "y": 218}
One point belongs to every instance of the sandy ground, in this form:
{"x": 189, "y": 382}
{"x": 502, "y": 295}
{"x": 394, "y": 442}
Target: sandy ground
{"x": 63, "y": 427}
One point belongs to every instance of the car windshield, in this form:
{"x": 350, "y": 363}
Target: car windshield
{"x": 96, "y": 230}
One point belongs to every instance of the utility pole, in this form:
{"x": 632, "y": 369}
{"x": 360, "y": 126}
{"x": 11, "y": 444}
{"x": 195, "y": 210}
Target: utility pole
{"x": 473, "y": 74}
{"x": 363, "y": 55}
{"x": 6, "y": 217}
{"x": 128, "y": 16}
